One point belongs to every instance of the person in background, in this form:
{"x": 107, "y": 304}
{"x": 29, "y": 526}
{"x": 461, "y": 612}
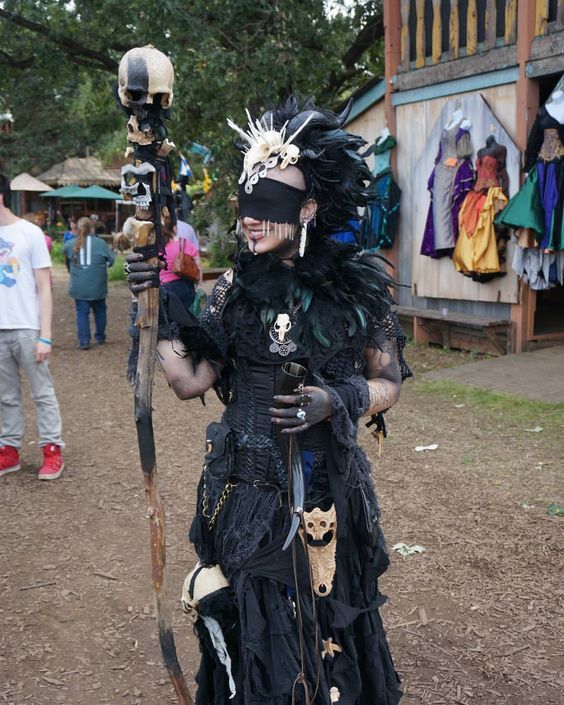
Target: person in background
{"x": 71, "y": 232}
{"x": 185, "y": 231}
{"x": 26, "y": 306}
{"x": 182, "y": 287}
{"x": 89, "y": 258}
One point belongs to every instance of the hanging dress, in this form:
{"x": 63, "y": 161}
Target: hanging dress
{"x": 480, "y": 243}
{"x": 380, "y": 227}
{"x": 450, "y": 181}
{"x": 539, "y": 204}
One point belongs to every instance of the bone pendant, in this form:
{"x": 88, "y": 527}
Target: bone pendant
{"x": 321, "y": 536}
{"x": 282, "y": 326}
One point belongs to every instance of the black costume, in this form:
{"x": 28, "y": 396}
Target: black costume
{"x": 337, "y": 305}
{"x": 348, "y": 310}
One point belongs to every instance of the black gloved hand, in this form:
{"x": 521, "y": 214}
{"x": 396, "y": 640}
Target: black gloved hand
{"x": 309, "y": 407}
{"x": 141, "y": 275}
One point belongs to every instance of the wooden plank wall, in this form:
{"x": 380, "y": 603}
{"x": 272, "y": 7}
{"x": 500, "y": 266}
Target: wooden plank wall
{"x": 436, "y": 281}
{"x": 469, "y": 43}
{"x": 369, "y": 125}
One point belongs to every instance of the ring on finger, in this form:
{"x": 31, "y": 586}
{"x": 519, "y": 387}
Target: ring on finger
{"x": 305, "y": 400}
{"x": 301, "y": 415}
{"x": 127, "y": 268}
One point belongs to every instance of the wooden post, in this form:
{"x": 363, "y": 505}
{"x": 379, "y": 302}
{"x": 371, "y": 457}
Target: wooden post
{"x": 393, "y": 47}
{"x": 491, "y": 23}
{"x": 437, "y": 32}
{"x": 471, "y": 28}
{"x": 405, "y": 36}
{"x": 420, "y": 35}
{"x": 560, "y": 15}
{"x": 454, "y": 30}
{"x": 522, "y": 314}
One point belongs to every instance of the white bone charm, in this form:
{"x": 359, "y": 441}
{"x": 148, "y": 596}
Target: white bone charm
{"x": 320, "y": 529}
{"x": 278, "y": 334}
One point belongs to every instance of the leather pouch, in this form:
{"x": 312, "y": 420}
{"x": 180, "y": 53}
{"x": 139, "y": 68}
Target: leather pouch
{"x": 369, "y": 520}
{"x": 220, "y": 450}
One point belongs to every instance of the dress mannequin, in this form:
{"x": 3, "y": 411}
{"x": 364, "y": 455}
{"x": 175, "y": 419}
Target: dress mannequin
{"x": 451, "y": 179}
{"x": 384, "y": 134}
{"x": 555, "y": 108}
{"x": 456, "y": 118}
{"x": 539, "y": 205}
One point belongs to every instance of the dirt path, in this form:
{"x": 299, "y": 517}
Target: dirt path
{"x": 473, "y": 619}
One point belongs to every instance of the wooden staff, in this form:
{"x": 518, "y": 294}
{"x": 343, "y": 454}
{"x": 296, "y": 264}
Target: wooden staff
{"x": 150, "y": 152}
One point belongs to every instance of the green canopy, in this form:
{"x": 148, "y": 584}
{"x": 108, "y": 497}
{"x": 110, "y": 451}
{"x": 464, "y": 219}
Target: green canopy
{"x": 64, "y": 192}
{"x": 99, "y": 192}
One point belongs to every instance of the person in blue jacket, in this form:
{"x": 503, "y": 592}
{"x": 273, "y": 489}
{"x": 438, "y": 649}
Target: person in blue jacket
{"x": 89, "y": 258}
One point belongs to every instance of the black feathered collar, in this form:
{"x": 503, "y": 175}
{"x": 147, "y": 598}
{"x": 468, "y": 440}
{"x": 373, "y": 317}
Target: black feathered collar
{"x": 334, "y": 286}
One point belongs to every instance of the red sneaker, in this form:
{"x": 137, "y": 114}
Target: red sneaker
{"x": 53, "y": 463}
{"x": 9, "y": 460}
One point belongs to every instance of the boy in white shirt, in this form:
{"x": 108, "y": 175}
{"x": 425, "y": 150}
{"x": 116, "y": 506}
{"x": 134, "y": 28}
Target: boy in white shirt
{"x": 26, "y": 306}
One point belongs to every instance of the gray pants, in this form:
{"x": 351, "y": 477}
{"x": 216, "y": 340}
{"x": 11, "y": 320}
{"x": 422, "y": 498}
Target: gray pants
{"x": 17, "y": 352}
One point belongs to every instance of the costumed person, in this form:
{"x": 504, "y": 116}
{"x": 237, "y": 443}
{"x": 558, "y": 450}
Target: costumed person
{"x": 538, "y": 207}
{"x": 172, "y": 280}
{"x": 300, "y": 341}
{"x": 479, "y": 252}
{"x": 26, "y": 306}
{"x": 381, "y": 225}
{"x": 450, "y": 181}
{"x": 89, "y": 259}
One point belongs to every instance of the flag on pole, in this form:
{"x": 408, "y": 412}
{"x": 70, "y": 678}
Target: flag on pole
{"x": 184, "y": 166}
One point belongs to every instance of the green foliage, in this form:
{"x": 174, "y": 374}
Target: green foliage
{"x": 56, "y": 74}
{"x": 58, "y": 65}
{"x": 57, "y": 254}
{"x": 116, "y": 272}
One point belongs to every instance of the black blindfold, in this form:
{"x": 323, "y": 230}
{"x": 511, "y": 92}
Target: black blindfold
{"x": 271, "y": 200}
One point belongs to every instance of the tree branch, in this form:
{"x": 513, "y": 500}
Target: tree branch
{"x": 73, "y": 49}
{"x": 372, "y": 30}
{"x": 6, "y": 59}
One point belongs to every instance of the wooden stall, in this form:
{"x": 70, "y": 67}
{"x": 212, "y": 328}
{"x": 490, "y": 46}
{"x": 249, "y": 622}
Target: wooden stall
{"x": 497, "y": 61}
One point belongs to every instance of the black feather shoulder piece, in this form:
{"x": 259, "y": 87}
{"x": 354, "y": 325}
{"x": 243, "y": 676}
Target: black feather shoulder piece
{"x": 339, "y": 292}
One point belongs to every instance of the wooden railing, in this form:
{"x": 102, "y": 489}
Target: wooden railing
{"x": 549, "y": 14}
{"x": 437, "y": 30}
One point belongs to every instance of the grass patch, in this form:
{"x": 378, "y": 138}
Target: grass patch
{"x": 521, "y": 411}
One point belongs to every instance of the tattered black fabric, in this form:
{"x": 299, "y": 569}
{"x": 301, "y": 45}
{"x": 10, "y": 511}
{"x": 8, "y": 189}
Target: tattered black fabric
{"x": 339, "y": 303}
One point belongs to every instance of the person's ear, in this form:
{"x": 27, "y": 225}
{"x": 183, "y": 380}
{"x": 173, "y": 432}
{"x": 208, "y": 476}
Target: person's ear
{"x": 308, "y": 211}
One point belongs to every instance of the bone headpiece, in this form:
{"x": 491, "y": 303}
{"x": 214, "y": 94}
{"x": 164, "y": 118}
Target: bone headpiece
{"x": 267, "y": 148}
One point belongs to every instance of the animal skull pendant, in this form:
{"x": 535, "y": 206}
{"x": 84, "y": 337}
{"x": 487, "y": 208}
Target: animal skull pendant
{"x": 278, "y": 334}
{"x": 320, "y": 532}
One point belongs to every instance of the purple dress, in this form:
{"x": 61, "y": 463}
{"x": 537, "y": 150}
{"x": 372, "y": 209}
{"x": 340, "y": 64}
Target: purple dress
{"x": 450, "y": 181}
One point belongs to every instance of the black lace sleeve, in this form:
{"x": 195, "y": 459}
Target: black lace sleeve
{"x": 385, "y": 331}
{"x": 211, "y": 318}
